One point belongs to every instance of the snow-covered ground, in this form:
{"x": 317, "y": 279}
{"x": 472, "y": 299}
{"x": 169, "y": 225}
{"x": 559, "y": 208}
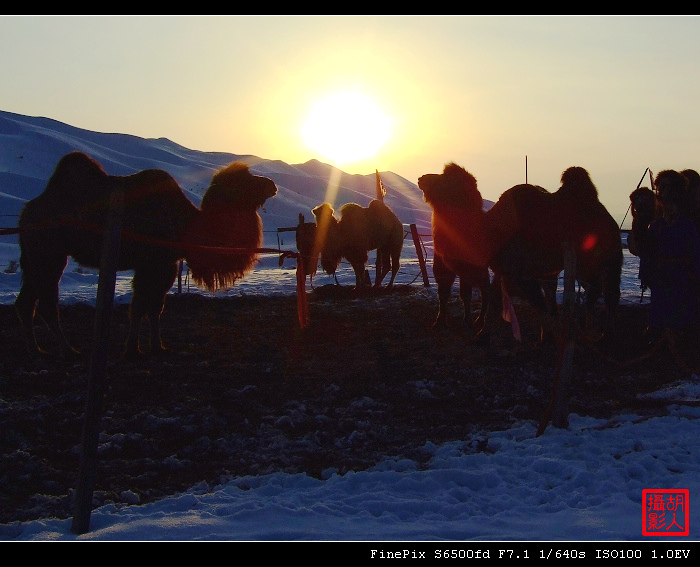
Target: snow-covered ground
{"x": 583, "y": 483}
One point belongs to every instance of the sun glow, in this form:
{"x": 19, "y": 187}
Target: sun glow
{"x": 346, "y": 127}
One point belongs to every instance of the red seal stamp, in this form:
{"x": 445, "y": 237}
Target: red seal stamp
{"x": 666, "y": 512}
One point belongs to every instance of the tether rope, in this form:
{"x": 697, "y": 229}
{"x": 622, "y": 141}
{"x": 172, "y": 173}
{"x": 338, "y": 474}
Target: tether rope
{"x": 302, "y": 302}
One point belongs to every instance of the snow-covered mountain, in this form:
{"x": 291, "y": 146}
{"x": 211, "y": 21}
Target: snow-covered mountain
{"x": 30, "y": 147}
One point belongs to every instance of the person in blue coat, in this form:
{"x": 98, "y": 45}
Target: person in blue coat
{"x": 671, "y": 260}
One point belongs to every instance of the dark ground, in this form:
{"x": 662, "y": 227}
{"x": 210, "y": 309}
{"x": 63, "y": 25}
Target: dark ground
{"x": 244, "y": 391}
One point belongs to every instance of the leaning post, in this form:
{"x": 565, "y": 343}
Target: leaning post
{"x": 419, "y": 252}
{"x": 95, "y": 394}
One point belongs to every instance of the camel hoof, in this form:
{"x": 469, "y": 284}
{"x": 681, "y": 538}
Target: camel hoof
{"x": 159, "y": 351}
{"x": 133, "y": 355}
{"x": 70, "y": 354}
{"x": 482, "y": 338}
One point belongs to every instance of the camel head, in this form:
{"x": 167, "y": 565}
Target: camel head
{"x": 236, "y": 187}
{"x": 228, "y": 219}
{"x": 576, "y": 184}
{"x": 454, "y": 187}
{"x": 323, "y": 213}
{"x": 326, "y": 229}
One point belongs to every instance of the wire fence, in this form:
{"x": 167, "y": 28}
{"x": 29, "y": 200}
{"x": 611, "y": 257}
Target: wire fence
{"x": 405, "y": 276}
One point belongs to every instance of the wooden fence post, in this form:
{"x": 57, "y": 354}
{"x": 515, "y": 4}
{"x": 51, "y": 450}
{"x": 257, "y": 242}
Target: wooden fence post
{"x": 419, "y": 252}
{"x": 560, "y": 412}
{"x": 95, "y": 395}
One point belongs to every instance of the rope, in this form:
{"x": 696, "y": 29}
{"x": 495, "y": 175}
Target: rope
{"x": 302, "y": 302}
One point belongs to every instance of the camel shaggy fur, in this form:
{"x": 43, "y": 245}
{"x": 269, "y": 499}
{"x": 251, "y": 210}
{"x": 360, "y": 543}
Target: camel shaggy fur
{"x": 160, "y": 226}
{"x": 360, "y": 230}
{"x": 521, "y": 236}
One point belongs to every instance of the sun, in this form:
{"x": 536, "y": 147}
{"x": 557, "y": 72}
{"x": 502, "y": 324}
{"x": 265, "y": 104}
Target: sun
{"x": 346, "y": 127}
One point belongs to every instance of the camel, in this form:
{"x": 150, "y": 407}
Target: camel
{"x": 521, "y": 237}
{"x": 360, "y": 230}
{"x": 452, "y": 203}
{"x": 160, "y": 226}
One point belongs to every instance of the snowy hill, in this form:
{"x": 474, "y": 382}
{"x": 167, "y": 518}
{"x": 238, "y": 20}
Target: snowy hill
{"x": 30, "y": 147}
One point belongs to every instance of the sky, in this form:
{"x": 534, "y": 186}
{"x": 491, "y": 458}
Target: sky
{"x": 509, "y": 98}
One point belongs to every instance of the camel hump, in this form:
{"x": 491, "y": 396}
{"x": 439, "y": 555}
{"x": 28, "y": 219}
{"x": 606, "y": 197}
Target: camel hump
{"x": 153, "y": 197}
{"x": 377, "y": 205}
{"x": 151, "y": 183}
{"x": 78, "y": 163}
{"x": 576, "y": 184}
{"x": 385, "y": 216}
{"x": 74, "y": 169}
{"x": 350, "y": 209}
{"x": 528, "y": 198}
{"x": 77, "y": 179}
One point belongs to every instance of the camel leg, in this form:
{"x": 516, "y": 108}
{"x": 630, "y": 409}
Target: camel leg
{"x": 484, "y": 292}
{"x": 25, "y": 306}
{"x": 595, "y": 288}
{"x": 394, "y": 268}
{"x": 465, "y": 294}
{"x": 385, "y": 263}
{"x": 549, "y": 287}
{"x": 380, "y": 269}
{"x": 137, "y": 312}
{"x": 551, "y": 310}
{"x": 154, "y": 324}
{"x": 39, "y": 295}
{"x": 150, "y": 287}
{"x": 492, "y": 312}
{"x": 359, "y": 270}
{"x": 611, "y": 296}
{"x": 444, "y": 278}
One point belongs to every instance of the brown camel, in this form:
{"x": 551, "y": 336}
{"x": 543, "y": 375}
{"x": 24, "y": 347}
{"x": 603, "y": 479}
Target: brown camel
{"x": 455, "y": 203}
{"x": 360, "y": 230}
{"x": 521, "y": 237}
{"x": 160, "y": 226}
